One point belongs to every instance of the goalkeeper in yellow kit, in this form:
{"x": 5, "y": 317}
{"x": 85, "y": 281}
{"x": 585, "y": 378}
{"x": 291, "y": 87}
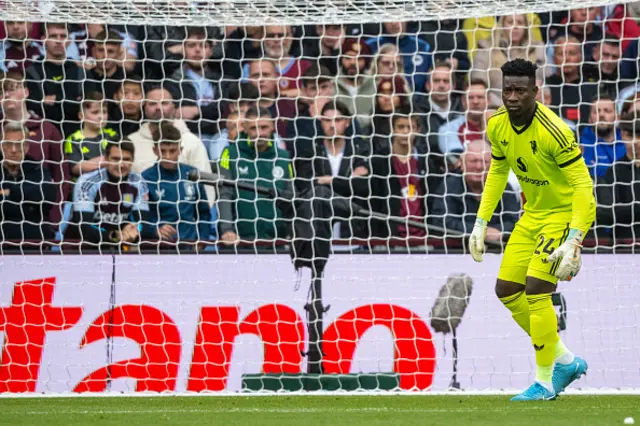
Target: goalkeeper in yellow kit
{"x": 545, "y": 245}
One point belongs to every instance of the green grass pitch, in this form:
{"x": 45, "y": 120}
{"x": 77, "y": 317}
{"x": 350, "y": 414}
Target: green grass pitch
{"x": 318, "y": 410}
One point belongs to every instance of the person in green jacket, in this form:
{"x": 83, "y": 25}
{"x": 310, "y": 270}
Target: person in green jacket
{"x": 254, "y": 158}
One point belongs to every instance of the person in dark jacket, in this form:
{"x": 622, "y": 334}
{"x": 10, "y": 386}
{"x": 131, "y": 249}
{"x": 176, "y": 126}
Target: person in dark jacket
{"x": 402, "y": 179}
{"x": 125, "y": 112}
{"x": 457, "y": 199}
{"x": 254, "y": 158}
{"x": 618, "y": 193}
{"x": 55, "y": 82}
{"x": 107, "y": 76}
{"x": 44, "y": 141}
{"x": 339, "y": 160}
{"x": 197, "y": 85}
{"x": 178, "y": 207}
{"x": 27, "y": 191}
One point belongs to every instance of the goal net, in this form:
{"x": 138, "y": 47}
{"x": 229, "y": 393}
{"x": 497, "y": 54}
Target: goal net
{"x": 275, "y": 196}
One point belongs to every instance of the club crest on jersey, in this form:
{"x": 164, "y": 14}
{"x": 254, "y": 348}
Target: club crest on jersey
{"x": 504, "y": 142}
{"x": 189, "y": 191}
{"x": 278, "y": 172}
{"x": 534, "y": 147}
{"x": 127, "y": 200}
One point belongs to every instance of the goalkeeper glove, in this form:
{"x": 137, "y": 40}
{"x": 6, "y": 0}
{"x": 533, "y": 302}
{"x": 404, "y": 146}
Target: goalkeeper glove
{"x": 570, "y": 254}
{"x": 476, "y": 241}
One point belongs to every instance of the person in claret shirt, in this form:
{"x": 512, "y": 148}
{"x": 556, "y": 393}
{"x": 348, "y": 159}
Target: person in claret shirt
{"x": 44, "y": 141}
{"x": 17, "y": 51}
{"x": 277, "y": 47}
{"x": 457, "y": 199}
{"x": 263, "y": 74}
{"x": 571, "y": 92}
{"x": 402, "y": 179}
{"x": 469, "y": 127}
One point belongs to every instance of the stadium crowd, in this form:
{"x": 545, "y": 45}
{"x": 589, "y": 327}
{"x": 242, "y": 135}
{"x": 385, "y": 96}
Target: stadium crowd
{"x": 102, "y": 125}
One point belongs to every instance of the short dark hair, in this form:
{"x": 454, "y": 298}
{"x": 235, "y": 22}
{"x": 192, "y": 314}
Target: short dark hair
{"x": 334, "y": 105}
{"x": 519, "y": 68}
{"x": 316, "y": 74}
{"x": 441, "y": 63}
{"x": 44, "y": 27}
{"x": 259, "y": 112}
{"x": 197, "y": 32}
{"x": 477, "y": 82}
{"x": 132, "y": 79}
{"x": 243, "y": 92}
{"x": 611, "y": 39}
{"x": 402, "y": 112}
{"x": 166, "y": 132}
{"x": 630, "y": 124}
{"x": 92, "y": 97}
{"x": 124, "y": 145}
{"x": 11, "y": 80}
{"x": 108, "y": 37}
{"x": 150, "y": 87}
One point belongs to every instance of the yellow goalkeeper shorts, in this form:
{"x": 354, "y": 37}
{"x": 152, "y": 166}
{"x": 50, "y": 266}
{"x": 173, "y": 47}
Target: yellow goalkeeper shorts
{"x": 531, "y": 241}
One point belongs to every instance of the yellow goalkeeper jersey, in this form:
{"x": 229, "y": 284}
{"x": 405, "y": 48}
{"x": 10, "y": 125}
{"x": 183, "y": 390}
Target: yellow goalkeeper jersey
{"x": 548, "y": 162}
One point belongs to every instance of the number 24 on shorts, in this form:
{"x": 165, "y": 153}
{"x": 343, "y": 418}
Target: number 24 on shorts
{"x": 547, "y": 249}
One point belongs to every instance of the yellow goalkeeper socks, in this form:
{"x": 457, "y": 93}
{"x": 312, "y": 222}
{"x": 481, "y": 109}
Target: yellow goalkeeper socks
{"x": 544, "y": 335}
{"x": 519, "y": 307}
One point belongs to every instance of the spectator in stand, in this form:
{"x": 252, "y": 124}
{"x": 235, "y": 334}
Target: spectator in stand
{"x": 234, "y": 126}
{"x": 630, "y": 64}
{"x": 511, "y": 39}
{"x": 197, "y": 84}
{"x": 242, "y": 45}
{"x": 158, "y": 106}
{"x": 601, "y": 142}
{"x": 277, "y": 43}
{"x": 44, "y": 142}
{"x": 391, "y": 95}
{"x": 161, "y": 50}
{"x": 458, "y": 196}
{"x": 84, "y": 149}
{"x": 414, "y": 52}
{"x": 125, "y": 114}
{"x": 107, "y": 75}
{"x": 448, "y": 44}
{"x": 355, "y": 61}
{"x": 582, "y": 24}
{"x": 178, "y": 208}
{"x": 402, "y": 179}
{"x": 108, "y": 203}
{"x": 54, "y": 82}
{"x": 245, "y": 215}
{"x": 454, "y": 135}
{"x": 263, "y": 74}
{"x": 241, "y": 97}
{"x": 440, "y": 105}
{"x": 17, "y": 51}
{"x": 618, "y": 192}
{"x": 318, "y": 88}
{"x": 604, "y": 69}
{"x": 476, "y": 29}
{"x": 571, "y": 92}
{"x": 544, "y": 97}
{"x": 83, "y": 41}
{"x": 27, "y": 191}
{"x": 323, "y": 45}
{"x": 338, "y": 159}
{"x": 620, "y": 23}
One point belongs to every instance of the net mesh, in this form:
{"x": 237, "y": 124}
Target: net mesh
{"x": 140, "y": 133}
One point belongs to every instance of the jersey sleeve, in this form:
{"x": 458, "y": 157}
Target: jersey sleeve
{"x": 567, "y": 155}
{"x": 497, "y": 178}
{"x": 84, "y": 194}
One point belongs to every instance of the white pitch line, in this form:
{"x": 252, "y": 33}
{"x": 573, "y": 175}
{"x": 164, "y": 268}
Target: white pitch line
{"x": 285, "y": 410}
